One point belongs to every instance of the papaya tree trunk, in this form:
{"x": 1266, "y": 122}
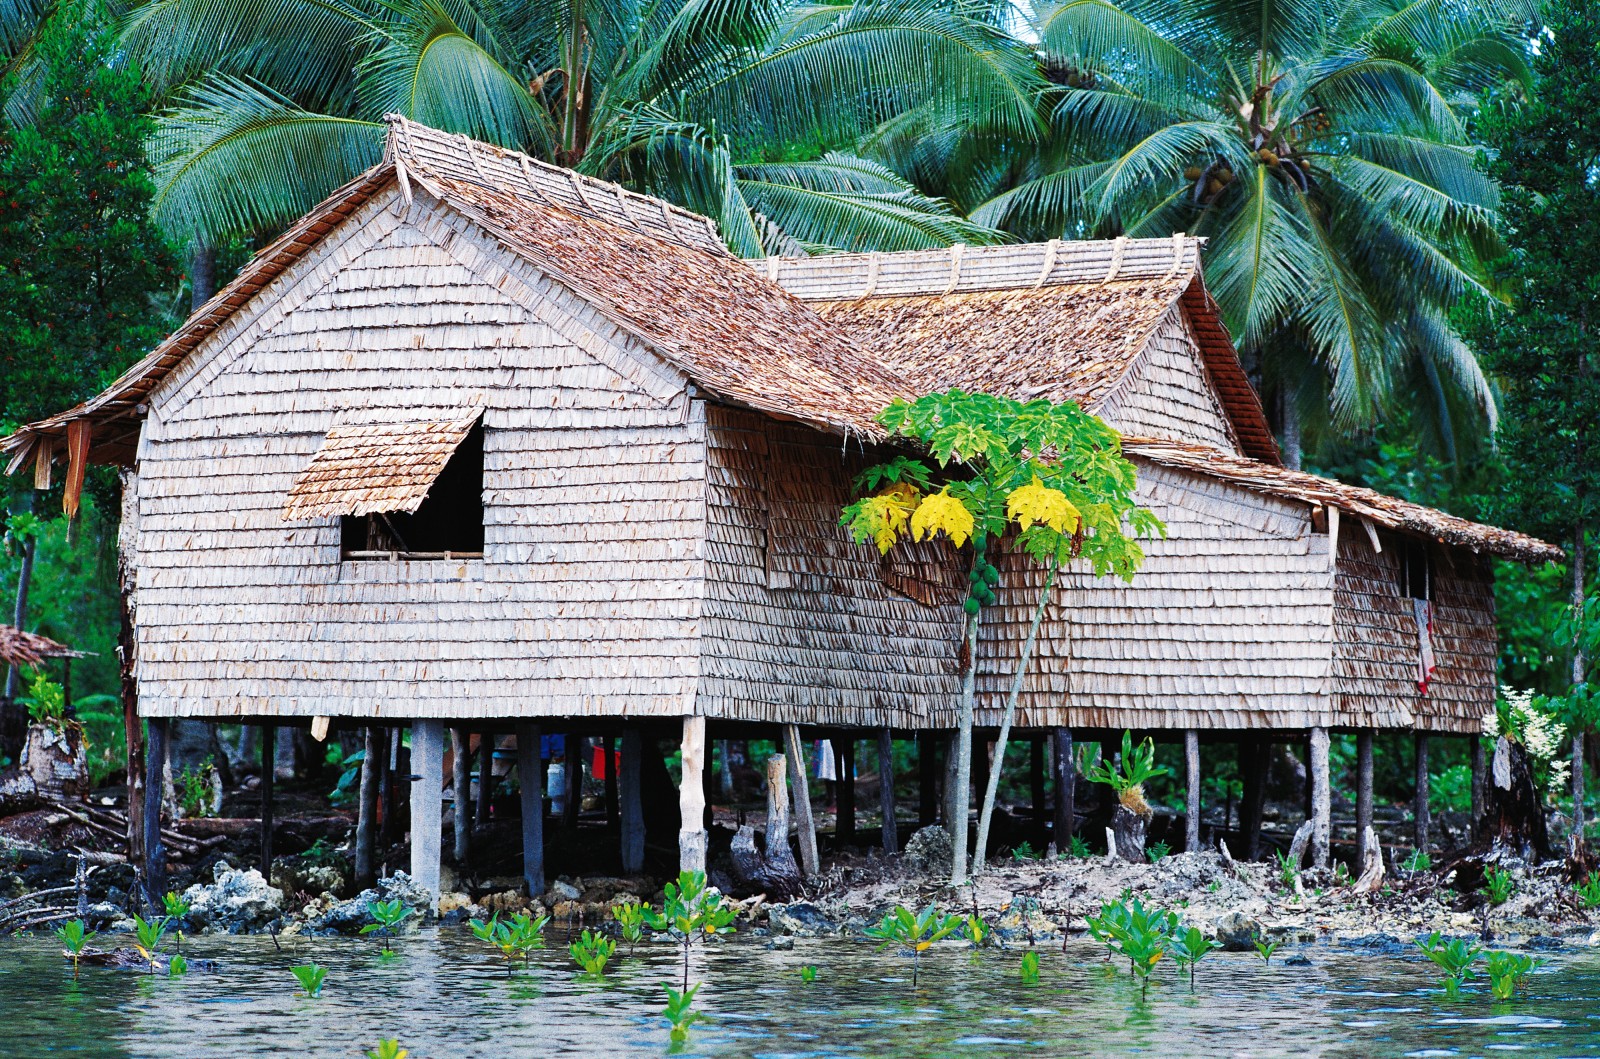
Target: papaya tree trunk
{"x": 987, "y": 813}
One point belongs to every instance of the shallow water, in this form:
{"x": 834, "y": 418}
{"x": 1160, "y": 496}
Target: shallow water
{"x": 443, "y": 997}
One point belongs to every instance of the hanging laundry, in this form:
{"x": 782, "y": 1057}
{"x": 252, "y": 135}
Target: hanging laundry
{"x": 1422, "y": 609}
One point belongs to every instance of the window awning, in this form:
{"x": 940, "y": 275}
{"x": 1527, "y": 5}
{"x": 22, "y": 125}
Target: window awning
{"x": 375, "y": 467}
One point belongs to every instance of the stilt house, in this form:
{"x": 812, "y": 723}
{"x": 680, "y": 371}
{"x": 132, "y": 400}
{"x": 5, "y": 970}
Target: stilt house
{"x": 483, "y": 440}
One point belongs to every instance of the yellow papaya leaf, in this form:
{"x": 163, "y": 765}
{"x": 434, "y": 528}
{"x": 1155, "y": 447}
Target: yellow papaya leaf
{"x": 942, "y": 513}
{"x": 1037, "y": 502}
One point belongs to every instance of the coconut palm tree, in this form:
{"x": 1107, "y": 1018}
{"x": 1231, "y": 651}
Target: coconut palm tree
{"x": 276, "y": 102}
{"x": 1320, "y": 146}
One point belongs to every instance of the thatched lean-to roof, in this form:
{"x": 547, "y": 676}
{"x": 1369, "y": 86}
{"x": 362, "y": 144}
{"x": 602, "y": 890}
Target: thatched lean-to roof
{"x": 18, "y": 648}
{"x": 377, "y": 467}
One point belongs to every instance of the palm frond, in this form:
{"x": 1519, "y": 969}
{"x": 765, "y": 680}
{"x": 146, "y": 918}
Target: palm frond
{"x": 1105, "y": 37}
{"x": 1054, "y": 206}
{"x": 1160, "y": 159}
{"x": 1369, "y": 93}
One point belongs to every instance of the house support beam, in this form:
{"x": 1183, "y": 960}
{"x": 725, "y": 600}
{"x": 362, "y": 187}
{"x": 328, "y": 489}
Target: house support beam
{"x": 269, "y": 776}
{"x": 1036, "y": 791}
{"x": 480, "y": 814}
{"x": 461, "y": 793}
{"x": 530, "y": 781}
{"x": 845, "y": 827}
{"x": 692, "y": 837}
{"x": 572, "y": 777}
{"x": 1253, "y": 754}
{"x": 891, "y": 836}
{"x": 1191, "y": 761}
{"x": 1066, "y": 776}
{"x": 1421, "y": 810}
{"x": 1363, "y": 795}
{"x": 1474, "y": 826}
{"x": 367, "y": 807}
{"x": 613, "y": 797}
{"x": 927, "y": 780}
{"x": 801, "y": 788}
{"x": 155, "y": 855}
{"x": 427, "y": 806}
{"x": 1321, "y": 798}
{"x": 631, "y": 805}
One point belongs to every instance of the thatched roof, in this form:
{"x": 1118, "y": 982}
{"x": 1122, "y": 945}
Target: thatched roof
{"x": 18, "y": 648}
{"x": 1062, "y": 320}
{"x": 1381, "y": 510}
{"x": 375, "y": 467}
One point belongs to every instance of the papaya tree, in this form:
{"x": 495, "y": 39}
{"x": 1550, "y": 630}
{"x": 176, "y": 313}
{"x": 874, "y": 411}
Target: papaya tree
{"x": 1047, "y": 480}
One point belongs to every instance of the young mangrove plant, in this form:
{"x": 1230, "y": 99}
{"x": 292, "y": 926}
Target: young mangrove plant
{"x": 1158, "y": 852}
{"x": 1288, "y": 871}
{"x": 177, "y": 910}
{"x": 178, "y": 966}
{"x": 1507, "y": 971}
{"x": 976, "y": 931}
{"x": 1024, "y": 851}
{"x": 74, "y": 937}
{"x": 1030, "y": 967}
{"x": 389, "y": 915}
{"x": 592, "y": 951}
{"x": 1455, "y": 957}
{"x": 680, "y": 1011}
{"x": 1499, "y": 884}
{"x": 913, "y": 933}
{"x": 310, "y": 976}
{"x": 1589, "y": 890}
{"x": 515, "y": 940}
{"x": 1418, "y": 862}
{"x": 630, "y": 920}
{"x": 1138, "y": 933}
{"x": 1189, "y": 947}
{"x": 808, "y": 973}
{"x": 150, "y": 932}
{"x": 1265, "y": 949}
{"x": 387, "y": 1050}
{"x": 1077, "y": 848}
{"x": 691, "y": 910}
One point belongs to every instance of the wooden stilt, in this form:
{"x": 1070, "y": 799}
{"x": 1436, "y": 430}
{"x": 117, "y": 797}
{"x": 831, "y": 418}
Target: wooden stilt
{"x": 480, "y": 815}
{"x": 390, "y": 786}
{"x": 1191, "y": 761}
{"x": 1421, "y": 808}
{"x": 692, "y": 836}
{"x": 427, "y": 805}
{"x": 801, "y": 787}
{"x": 1036, "y": 794}
{"x": 461, "y": 793}
{"x": 927, "y": 779}
{"x": 127, "y": 684}
{"x": 573, "y": 747}
{"x": 891, "y": 837}
{"x": 948, "y": 808}
{"x": 1363, "y": 794}
{"x": 155, "y": 854}
{"x": 1066, "y": 777}
{"x": 632, "y": 804}
{"x": 1478, "y": 774}
{"x": 530, "y": 781}
{"x": 708, "y": 783}
{"x": 269, "y": 775}
{"x": 609, "y": 747}
{"x": 1253, "y": 753}
{"x": 1321, "y": 798}
{"x": 845, "y": 828}
{"x": 367, "y": 807}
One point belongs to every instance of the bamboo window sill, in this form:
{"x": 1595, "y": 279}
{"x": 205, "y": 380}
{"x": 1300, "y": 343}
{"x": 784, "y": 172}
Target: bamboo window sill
{"x": 410, "y": 567}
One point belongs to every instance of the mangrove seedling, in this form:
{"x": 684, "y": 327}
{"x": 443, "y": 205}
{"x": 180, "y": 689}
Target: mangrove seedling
{"x": 1158, "y": 852}
{"x": 1499, "y": 884}
{"x": 680, "y": 1011}
{"x": 310, "y": 976}
{"x": 387, "y": 1050}
{"x": 515, "y": 940}
{"x": 1030, "y": 967}
{"x": 592, "y": 952}
{"x": 1454, "y": 957}
{"x": 1265, "y": 949}
{"x": 1190, "y": 947}
{"x": 1077, "y": 848}
{"x": 1589, "y": 890}
{"x": 913, "y": 933}
{"x": 177, "y": 911}
{"x": 808, "y": 973}
{"x": 74, "y": 937}
{"x": 691, "y": 910}
{"x": 389, "y": 915}
{"x": 177, "y": 967}
{"x": 1288, "y": 872}
{"x": 1024, "y": 851}
{"x": 1507, "y": 970}
{"x": 630, "y": 920}
{"x": 150, "y": 933}
{"x": 976, "y": 930}
{"x": 1419, "y": 861}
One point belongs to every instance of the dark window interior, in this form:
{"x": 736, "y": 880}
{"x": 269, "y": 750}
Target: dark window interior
{"x": 449, "y": 520}
{"x": 1416, "y": 573}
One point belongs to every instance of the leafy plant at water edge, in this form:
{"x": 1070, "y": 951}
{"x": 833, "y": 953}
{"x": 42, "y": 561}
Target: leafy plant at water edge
{"x": 387, "y": 1050}
{"x": 177, "y": 910}
{"x": 592, "y": 952}
{"x": 976, "y": 930}
{"x": 1077, "y": 848}
{"x": 1499, "y": 884}
{"x": 75, "y": 937}
{"x": 1455, "y": 957}
{"x": 630, "y": 919}
{"x": 1141, "y": 934}
{"x": 178, "y": 966}
{"x": 1189, "y": 948}
{"x": 1265, "y": 949}
{"x": 515, "y": 940}
{"x": 1024, "y": 851}
{"x": 680, "y": 1011}
{"x": 1507, "y": 971}
{"x": 1137, "y": 767}
{"x": 389, "y": 915}
{"x": 808, "y": 973}
{"x": 1589, "y": 890}
{"x": 310, "y": 976}
{"x": 1287, "y": 871}
{"x": 1030, "y": 967}
{"x": 691, "y": 910}
{"x": 1419, "y": 861}
{"x": 1158, "y": 852}
{"x": 192, "y": 785}
{"x": 150, "y": 933}
{"x": 914, "y": 933}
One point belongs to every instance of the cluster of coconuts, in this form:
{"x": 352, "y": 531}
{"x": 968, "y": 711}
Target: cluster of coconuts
{"x": 984, "y": 577}
{"x": 1208, "y": 182}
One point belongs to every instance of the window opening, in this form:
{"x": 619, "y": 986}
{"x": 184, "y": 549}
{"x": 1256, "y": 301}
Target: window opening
{"x": 1416, "y": 571}
{"x": 448, "y": 524}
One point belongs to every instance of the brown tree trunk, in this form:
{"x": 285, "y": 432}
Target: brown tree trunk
{"x": 1513, "y": 819}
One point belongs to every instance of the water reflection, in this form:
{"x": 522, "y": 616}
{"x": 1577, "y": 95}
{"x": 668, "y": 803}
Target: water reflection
{"x": 444, "y": 997}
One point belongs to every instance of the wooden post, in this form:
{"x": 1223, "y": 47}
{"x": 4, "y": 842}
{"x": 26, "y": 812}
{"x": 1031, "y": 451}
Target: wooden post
{"x": 1421, "y": 809}
{"x": 1191, "y": 761}
{"x": 1321, "y": 798}
{"x": 632, "y": 804}
{"x": 367, "y": 809}
{"x": 480, "y": 816}
{"x": 1066, "y": 776}
{"x": 573, "y": 775}
{"x": 155, "y": 855}
{"x": 389, "y": 786}
{"x": 427, "y": 806}
{"x": 1253, "y": 753}
{"x": 1363, "y": 794}
{"x": 127, "y": 683}
{"x": 801, "y": 787}
{"x": 891, "y": 837}
{"x": 530, "y": 781}
{"x": 1474, "y": 828}
{"x": 1036, "y": 795}
{"x": 778, "y": 862}
{"x": 461, "y": 793}
{"x": 609, "y": 749}
{"x": 692, "y": 835}
{"x": 269, "y": 776}
{"x": 725, "y": 773}
{"x": 708, "y": 783}
{"x": 927, "y": 780}
{"x": 845, "y": 829}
